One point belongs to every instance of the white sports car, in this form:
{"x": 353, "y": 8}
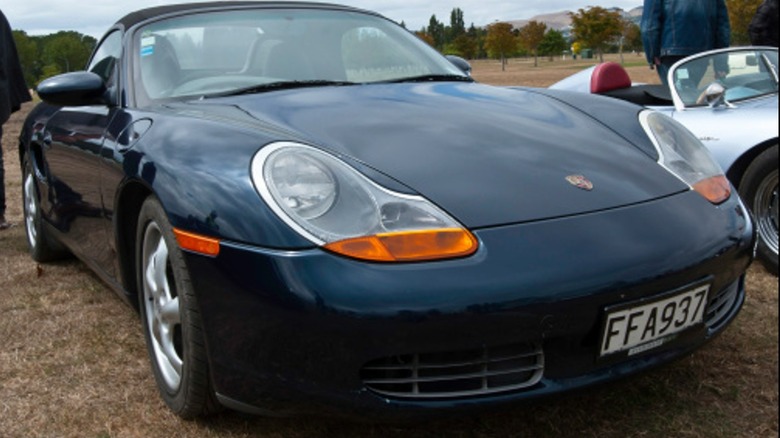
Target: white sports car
{"x": 728, "y": 98}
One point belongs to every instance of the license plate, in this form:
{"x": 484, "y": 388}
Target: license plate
{"x": 641, "y": 327}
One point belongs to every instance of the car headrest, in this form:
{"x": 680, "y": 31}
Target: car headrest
{"x": 160, "y": 68}
{"x": 286, "y": 60}
{"x": 609, "y": 76}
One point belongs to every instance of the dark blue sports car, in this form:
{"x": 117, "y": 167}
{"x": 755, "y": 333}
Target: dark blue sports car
{"x": 314, "y": 211}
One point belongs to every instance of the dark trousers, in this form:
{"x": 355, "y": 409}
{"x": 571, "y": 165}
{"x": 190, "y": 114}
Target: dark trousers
{"x": 696, "y": 69}
{"x": 2, "y": 176}
{"x": 665, "y": 65}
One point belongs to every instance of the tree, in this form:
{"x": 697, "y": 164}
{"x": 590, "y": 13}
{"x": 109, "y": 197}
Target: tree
{"x": 28, "y": 56}
{"x": 45, "y": 56}
{"x": 50, "y": 70}
{"x": 632, "y": 37}
{"x": 465, "y": 46}
{"x": 457, "y": 25}
{"x": 478, "y": 35}
{"x": 68, "y": 50}
{"x": 500, "y": 42}
{"x": 596, "y": 27}
{"x": 740, "y": 14}
{"x": 437, "y": 31}
{"x": 553, "y": 44}
{"x": 425, "y": 37}
{"x": 624, "y": 29}
{"x": 531, "y": 35}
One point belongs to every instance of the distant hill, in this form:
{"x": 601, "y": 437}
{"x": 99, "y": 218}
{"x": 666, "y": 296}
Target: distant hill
{"x": 635, "y": 13}
{"x": 561, "y": 21}
{"x": 554, "y": 20}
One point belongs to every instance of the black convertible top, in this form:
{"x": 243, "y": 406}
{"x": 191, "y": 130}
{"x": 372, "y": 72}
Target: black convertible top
{"x": 139, "y": 16}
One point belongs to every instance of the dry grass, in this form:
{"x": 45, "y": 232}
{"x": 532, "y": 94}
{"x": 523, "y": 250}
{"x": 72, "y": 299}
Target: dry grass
{"x": 73, "y": 363}
{"x": 523, "y": 72}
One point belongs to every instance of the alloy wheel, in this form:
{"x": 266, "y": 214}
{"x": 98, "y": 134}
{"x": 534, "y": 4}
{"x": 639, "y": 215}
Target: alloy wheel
{"x": 161, "y": 308}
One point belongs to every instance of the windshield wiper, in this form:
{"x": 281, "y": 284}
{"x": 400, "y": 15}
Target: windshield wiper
{"x": 281, "y": 85}
{"x": 431, "y": 78}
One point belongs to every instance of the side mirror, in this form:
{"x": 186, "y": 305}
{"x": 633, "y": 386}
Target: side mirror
{"x": 461, "y": 63}
{"x": 714, "y": 96}
{"x": 73, "y": 89}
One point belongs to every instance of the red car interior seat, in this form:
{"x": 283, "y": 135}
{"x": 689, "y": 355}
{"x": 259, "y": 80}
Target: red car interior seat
{"x": 609, "y": 76}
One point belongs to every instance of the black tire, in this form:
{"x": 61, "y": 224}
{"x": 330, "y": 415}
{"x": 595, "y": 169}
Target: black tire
{"x": 759, "y": 191}
{"x": 171, "y": 318}
{"x": 43, "y": 247}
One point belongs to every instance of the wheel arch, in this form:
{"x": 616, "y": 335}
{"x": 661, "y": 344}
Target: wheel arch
{"x": 737, "y": 170}
{"x": 128, "y": 206}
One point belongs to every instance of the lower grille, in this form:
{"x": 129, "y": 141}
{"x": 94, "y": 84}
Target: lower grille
{"x": 721, "y": 305}
{"x": 456, "y": 374}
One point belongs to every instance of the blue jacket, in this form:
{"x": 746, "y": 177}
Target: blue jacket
{"x": 684, "y": 27}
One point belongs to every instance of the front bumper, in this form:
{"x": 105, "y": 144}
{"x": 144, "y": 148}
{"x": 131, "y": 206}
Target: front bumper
{"x": 292, "y": 331}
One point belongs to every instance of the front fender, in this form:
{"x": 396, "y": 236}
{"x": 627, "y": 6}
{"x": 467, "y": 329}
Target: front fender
{"x": 733, "y": 135}
{"x": 200, "y": 171}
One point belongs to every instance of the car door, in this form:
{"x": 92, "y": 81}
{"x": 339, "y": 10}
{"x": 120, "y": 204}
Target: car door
{"x": 73, "y": 140}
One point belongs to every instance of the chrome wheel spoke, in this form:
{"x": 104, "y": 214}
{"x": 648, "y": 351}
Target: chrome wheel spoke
{"x": 169, "y": 312}
{"x": 149, "y": 277}
{"x": 156, "y": 272}
{"x": 163, "y": 315}
{"x": 165, "y": 350}
{"x": 169, "y": 318}
{"x": 31, "y": 209}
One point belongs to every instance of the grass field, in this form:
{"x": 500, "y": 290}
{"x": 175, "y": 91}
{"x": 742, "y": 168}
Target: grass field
{"x": 73, "y": 363}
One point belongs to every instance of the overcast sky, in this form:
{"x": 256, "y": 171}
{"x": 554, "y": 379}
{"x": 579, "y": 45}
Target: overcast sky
{"x": 93, "y": 17}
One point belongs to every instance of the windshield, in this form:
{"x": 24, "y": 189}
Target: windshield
{"x": 745, "y": 74}
{"x": 215, "y": 53}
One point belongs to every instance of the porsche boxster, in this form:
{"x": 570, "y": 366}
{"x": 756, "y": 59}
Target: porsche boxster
{"x": 314, "y": 211}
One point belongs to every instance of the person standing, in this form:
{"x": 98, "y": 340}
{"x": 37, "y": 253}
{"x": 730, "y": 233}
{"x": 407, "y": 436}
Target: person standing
{"x": 13, "y": 92}
{"x": 674, "y": 29}
{"x": 763, "y": 27}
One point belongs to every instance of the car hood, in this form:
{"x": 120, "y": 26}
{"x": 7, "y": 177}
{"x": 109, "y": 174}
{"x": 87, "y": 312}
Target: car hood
{"x": 487, "y": 155}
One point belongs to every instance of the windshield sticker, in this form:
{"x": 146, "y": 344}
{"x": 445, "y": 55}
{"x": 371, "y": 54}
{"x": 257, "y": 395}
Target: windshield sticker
{"x": 147, "y": 46}
{"x": 682, "y": 73}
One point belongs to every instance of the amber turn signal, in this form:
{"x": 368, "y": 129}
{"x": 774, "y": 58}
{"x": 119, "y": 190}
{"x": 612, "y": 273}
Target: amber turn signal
{"x": 196, "y": 243}
{"x": 408, "y": 246}
{"x": 715, "y": 189}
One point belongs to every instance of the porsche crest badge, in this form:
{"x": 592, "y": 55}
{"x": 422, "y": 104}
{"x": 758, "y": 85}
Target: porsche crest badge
{"x": 580, "y": 181}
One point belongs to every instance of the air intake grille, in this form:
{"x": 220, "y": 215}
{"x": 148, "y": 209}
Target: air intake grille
{"x": 456, "y": 374}
{"x": 720, "y": 306}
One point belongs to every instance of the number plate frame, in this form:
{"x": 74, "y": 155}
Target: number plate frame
{"x": 646, "y": 324}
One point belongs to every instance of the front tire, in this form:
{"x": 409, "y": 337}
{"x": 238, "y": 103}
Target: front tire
{"x": 171, "y": 318}
{"x": 759, "y": 191}
{"x": 43, "y": 247}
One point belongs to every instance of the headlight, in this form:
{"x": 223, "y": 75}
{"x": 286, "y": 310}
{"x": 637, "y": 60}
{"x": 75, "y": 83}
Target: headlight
{"x": 305, "y": 188}
{"x": 682, "y": 154}
{"x": 336, "y": 207}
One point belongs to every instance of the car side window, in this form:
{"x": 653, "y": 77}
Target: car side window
{"x": 104, "y": 60}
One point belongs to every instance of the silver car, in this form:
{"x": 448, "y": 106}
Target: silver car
{"x": 727, "y": 98}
